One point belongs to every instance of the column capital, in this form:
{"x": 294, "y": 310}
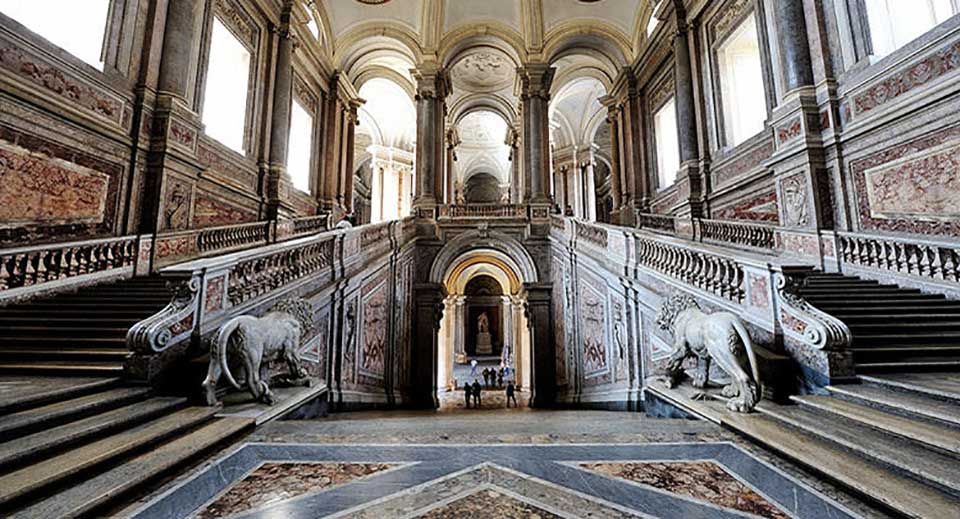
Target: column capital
{"x": 432, "y": 81}
{"x": 535, "y": 80}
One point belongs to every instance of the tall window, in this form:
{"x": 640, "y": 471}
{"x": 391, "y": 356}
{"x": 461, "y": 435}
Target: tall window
{"x": 76, "y": 27}
{"x": 225, "y": 97}
{"x": 668, "y": 146}
{"x": 300, "y": 147}
{"x": 741, "y": 83}
{"x": 894, "y": 23}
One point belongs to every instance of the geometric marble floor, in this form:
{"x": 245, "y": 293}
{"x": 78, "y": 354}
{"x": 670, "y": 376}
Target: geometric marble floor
{"x": 311, "y": 469}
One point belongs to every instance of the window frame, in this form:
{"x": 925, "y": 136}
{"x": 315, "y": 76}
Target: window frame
{"x": 312, "y": 162}
{"x": 866, "y": 45}
{"x": 658, "y": 173}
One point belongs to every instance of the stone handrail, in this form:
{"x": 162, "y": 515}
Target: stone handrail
{"x": 657, "y": 222}
{"x": 232, "y": 236}
{"x": 745, "y": 234}
{"x": 803, "y": 321}
{"x": 311, "y": 224}
{"x": 720, "y": 274}
{"x": 24, "y": 267}
{"x": 936, "y": 261}
{"x": 483, "y": 211}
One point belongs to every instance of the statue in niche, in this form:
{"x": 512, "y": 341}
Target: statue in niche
{"x": 256, "y": 340}
{"x": 483, "y": 323}
{"x": 720, "y": 337}
{"x": 795, "y": 195}
{"x": 174, "y": 214}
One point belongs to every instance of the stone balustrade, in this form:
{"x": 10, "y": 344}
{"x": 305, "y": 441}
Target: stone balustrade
{"x": 311, "y": 224}
{"x": 936, "y": 261}
{"x": 720, "y": 274}
{"x": 743, "y": 234}
{"x": 24, "y": 269}
{"x": 232, "y": 236}
{"x": 483, "y": 211}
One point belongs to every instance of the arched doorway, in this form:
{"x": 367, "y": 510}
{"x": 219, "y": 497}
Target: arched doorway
{"x": 483, "y": 328}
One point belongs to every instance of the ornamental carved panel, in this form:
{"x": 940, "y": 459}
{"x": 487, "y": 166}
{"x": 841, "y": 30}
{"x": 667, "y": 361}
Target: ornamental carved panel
{"x": 176, "y": 205}
{"x": 795, "y": 198}
{"x": 593, "y": 326}
{"x": 562, "y": 298}
{"x": 374, "y": 330}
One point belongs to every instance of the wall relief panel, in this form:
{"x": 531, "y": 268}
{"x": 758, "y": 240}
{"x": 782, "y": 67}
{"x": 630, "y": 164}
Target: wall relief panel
{"x": 593, "y": 331}
{"x": 911, "y": 188}
{"x": 561, "y": 310}
{"x": 375, "y": 318}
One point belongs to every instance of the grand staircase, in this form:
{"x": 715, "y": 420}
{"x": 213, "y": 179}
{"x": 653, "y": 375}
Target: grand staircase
{"x": 893, "y": 434}
{"x": 79, "y": 333}
{"x": 74, "y": 439}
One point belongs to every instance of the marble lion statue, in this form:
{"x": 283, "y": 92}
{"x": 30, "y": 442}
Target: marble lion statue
{"x": 257, "y": 340}
{"x": 720, "y": 337}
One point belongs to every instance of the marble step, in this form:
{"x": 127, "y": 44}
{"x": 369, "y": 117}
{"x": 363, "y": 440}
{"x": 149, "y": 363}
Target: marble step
{"x": 843, "y": 311}
{"x": 926, "y": 434}
{"x": 905, "y": 403}
{"x": 58, "y": 320}
{"x": 34, "y": 479}
{"x": 904, "y": 325}
{"x": 875, "y": 299}
{"x": 85, "y": 331}
{"x": 46, "y": 341}
{"x": 888, "y": 317}
{"x": 64, "y": 354}
{"x": 100, "y": 308}
{"x": 947, "y": 338}
{"x": 103, "y": 489}
{"x": 899, "y": 493}
{"x": 52, "y": 389}
{"x": 899, "y": 352}
{"x": 126, "y": 291}
{"x": 882, "y": 290}
{"x": 33, "y": 446}
{"x": 28, "y": 421}
{"x": 918, "y": 462}
{"x": 61, "y": 368}
{"x": 908, "y": 365}
{"x": 944, "y": 386}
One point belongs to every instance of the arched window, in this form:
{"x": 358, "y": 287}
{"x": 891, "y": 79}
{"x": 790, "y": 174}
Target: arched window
{"x": 894, "y": 23}
{"x": 668, "y": 146}
{"x": 77, "y": 27}
{"x": 225, "y": 93}
{"x": 741, "y": 83}
{"x": 300, "y": 149}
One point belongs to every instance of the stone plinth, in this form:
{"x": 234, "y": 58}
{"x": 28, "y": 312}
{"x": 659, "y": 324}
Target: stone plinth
{"x": 484, "y": 343}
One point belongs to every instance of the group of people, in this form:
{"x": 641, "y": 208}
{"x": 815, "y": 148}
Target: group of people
{"x": 491, "y": 376}
{"x": 472, "y": 392}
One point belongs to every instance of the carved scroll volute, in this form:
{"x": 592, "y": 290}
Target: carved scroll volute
{"x": 171, "y": 325}
{"x": 801, "y": 320}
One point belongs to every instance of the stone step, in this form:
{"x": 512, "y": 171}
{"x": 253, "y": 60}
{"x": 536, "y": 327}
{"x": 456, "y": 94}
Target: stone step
{"x": 901, "y": 494}
{"x": 888, "y": 317}
{"x": 944, "y": 386}
{"x": 64, "y": 354}
{"x": 103, "y": 489}
{"x": 95, "y": 299}
{"x": 919, "y": 337}
{"x": 843, "y": 311}
{"x": 48, "y": 341}
{"x": 70, "y": 322}
{"x": 865, "y": 290}
{"x": 53, "y": 389}
{"x": 904, "y": 403}
{"x": 905, "y": 325}
{"x": 895, "y": 353}
{"x": 874, "y": 299}
{"x": 939, "y": 437}
{"x": 61, "y": 368}
{"x": 35, "y": 479}
{"x": 25, "y": 422}
{"x": 908, "y": 365}
{"x": 84, "y": 314}
{"x": 42, "y": 443}
{"x": 927, "y": 466}
{"x": 70, "y": 331}
{"x": 101, "y": 308}
{"x": 126, "y": 291}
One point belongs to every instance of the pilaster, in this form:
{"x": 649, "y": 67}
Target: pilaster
{"x": 534, "y": 82}
{"x": 433, "y": 85}
{"x": 543, "y": 362}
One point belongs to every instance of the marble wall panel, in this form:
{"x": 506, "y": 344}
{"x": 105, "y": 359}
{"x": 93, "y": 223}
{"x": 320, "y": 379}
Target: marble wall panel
{"x": 762, "y": 207}
{"x": 209, "y": 211}
{"x": 561, "y": 309}
{"x": 373, "y": 332}
{"x": 592, "y": 308}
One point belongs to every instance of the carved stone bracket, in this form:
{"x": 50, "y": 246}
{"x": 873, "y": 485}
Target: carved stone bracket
{"x": 172, "y": 324}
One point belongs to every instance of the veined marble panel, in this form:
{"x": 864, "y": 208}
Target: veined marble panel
{"x": 922, "y": 185}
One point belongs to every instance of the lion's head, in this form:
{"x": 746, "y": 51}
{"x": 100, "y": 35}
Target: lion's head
{"x": 300, "y": 310}
{"x": 672, "y": 306}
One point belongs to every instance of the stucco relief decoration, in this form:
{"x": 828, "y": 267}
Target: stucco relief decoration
{"x": 36, "y": 188}
{"x": 592, "y": 330}
{"x": 349, "y": 342}
{"x": 620, "y": 341}
{"x": 728, "y": 17}
{"x": 911, "y": 188}
{"x": 483, "y": 71}
{"x": 374, "y": 332}
{"x": 31, "y": 68}
{"x": 794, "y": 189}
{"x": 560, "y": 312}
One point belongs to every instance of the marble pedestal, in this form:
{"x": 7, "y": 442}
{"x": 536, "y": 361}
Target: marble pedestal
{"x": 484, "y": 343}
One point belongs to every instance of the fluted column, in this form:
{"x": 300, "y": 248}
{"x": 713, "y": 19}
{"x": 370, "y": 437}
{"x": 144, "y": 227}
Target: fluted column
{"x": 432, "y": 89}
{"x": 535, "y": 81}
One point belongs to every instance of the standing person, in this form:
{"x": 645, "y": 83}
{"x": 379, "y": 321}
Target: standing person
{"x": 476, "y": 393}
{"x": 512, "y": 395}
{"x": 473, "y": 368}
{"x": 467, "y": 393}
{"x": 500, "y": 378}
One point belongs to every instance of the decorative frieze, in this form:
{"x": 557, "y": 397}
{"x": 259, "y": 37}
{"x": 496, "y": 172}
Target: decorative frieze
{"x": 239, "y": 22}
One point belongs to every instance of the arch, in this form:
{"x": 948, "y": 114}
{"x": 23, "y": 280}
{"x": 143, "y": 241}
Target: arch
{"x": 580, "y": 35}
{"x": 488, "y": 34}
{"x": 478, "y": 102}
{"x": 383, "y": 72}
{"x": 369, "y": 36}
{"x": 495, "y": 244}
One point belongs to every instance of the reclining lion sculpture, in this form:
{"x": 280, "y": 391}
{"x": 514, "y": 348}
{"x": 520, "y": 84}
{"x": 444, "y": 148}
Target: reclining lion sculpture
{"x": 720, "y": 337}
{"x": 257, "y": 340}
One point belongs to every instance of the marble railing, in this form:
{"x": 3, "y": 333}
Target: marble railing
{"x": 24, "y": 268}
{"x": 719, "y": 274}
{"x": 483, "y": 211}
{"x": 232, "y": 236}
{"x": 209, "y": 291}
{"x": 311, "y": 224}
{"x": 744, "y": 234}
{"x": 935, "y": 261}
{"x": 657, "y": 222}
